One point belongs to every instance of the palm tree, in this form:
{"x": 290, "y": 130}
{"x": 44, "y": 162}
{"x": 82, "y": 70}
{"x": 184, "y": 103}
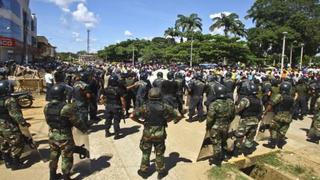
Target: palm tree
{"x": 188, "y": 24}
{"x": 171, "y": 32}
{"x": 231, "y": 24}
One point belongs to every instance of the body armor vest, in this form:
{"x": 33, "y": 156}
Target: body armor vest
{"x": 4, "y": 113}
{"x": 54, "y": 118}
{"x": 155, "y": 114}
{"x": 254, "y": 108}
{"x": 229, "y": 84}
{"x": 112, "y": 96}
{"x": 286, "y": 105}
{"x": 158, "y": 82}
{"x": 169, "y": 88}
{"x": 180, "y": 84}
{"x": 198, "y": 88}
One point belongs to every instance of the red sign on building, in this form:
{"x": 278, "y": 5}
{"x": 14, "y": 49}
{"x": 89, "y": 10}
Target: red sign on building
{"x": 7, "y": 42}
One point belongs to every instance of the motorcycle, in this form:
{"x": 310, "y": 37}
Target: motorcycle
{"x": 25, "y": 99}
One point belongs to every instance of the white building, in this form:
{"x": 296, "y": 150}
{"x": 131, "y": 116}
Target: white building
{"x": 18, "y": 31}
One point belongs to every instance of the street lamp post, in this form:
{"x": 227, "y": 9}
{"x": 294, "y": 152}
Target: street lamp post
{"x": 132, "y": 54}
{"x": 283, "y": 49}
{"x": 301, "y": 58}
{"x": 291, "y": 52}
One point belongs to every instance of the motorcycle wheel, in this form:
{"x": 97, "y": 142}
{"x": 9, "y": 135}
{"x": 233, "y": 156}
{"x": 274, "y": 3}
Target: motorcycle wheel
{"x": 25, "y": 102}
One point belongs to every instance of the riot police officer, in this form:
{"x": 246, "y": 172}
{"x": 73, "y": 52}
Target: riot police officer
{"x": 11, "y": 138}
{"x": 157, "y": 82}
{"x": 156, "y": 114}
{"x": 282, "y": 105}
{"x": 169, "y": 90}
{"x": 143, "y": 86}
{"x": 209, "y": 89}
{"x": 221, "y": 113}
{"x": 229, "y": 84}
{"x": 61, "y": 117}
{"x": 115, "y": 104}
{"x": 181, "y": 83}
{"x": 81, "y": 96}
{"x": 250, "y": 111}
{"x": 196, "y": 89}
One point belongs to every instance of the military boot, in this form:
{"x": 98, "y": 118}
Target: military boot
{"x": 16, "y": 164}
{"x": 281, "y": 143}
{"x": 53, "y": 175}
{"x": 236, "y": 151}
{"x": 143, "y": 174}
{"x": 162, "y": 174}
{"x": 108, "y": 134}
{"x": 271, "y": 144}
{"x": 7, "y": 160}
{"x": 66, "y": 177}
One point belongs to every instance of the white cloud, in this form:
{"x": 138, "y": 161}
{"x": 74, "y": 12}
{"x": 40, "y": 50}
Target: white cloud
{"x": 148, "y": 38}
{"x": 64, "y": 4}
{"x": 219, "y": 14}
{"x": 127, "y": 33}
{"x": 76, "y": 37}
{"x": 83, "y": 15}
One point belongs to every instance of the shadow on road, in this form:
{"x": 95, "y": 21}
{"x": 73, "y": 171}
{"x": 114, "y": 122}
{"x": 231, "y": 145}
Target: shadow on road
{"x": 128, "y": 131}
{"x": 170, "y": 162}
{"x": 96, "y": 165}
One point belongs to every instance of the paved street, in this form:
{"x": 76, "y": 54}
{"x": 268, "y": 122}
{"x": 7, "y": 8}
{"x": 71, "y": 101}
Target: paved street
{"x": 120, "y": 159}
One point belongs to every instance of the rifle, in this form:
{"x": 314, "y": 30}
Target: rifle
{"x": 82, "y": 151}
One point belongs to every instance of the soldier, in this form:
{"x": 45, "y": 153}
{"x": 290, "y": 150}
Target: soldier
{"x": 282, "y": 105}
{"x": 314, "y": 132}
{"x": 220, "y": 114}
{"x": 181, "y": 83}
{"x": 250, "y": 111}
{"x": 301, "y": 105}
{"x": 115, "y": 104}
{"x": 11, "y": 138}
{"x": 156, "y": 114}
{"x": 157, "y": 82}
{"x": 196, "y": 89}
{"x": 169, "y": 90}
{"x": 61, "y": 117}
{"x": 229, "y": 84}
{"x": 81, "y": 96}
{"x": 143, "y": 86}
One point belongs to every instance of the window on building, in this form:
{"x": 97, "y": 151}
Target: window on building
{"x": 10, "y": 29}
{"x": 11, "y": 5}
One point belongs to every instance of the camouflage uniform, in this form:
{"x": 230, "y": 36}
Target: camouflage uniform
{"x": 61, "y": 117}
{"x": 220, "y": 114}
{"x": 282, "y": 106}
{"x": 80, "y": 90}
{"x": 314, "y": 132}
{"x": 250, "y": 111}
{"x": 156, "y": 115}
{"x": 11, "y": 138}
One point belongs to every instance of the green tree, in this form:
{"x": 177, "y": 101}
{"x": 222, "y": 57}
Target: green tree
{"x": 300, "y": 18}
{"x": 230, "y": 23}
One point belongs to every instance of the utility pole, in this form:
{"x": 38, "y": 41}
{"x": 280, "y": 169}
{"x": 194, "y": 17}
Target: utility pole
{"x": 283, "y": 49}
{"x": 301, "y": 58}
{"x": 88, "y": 41}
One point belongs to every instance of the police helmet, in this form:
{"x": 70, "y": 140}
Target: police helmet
{"x": 179, "y": 75}
{"x": 154, "y": 94}
{"x": 253, "y": 89}
{"x": 170, "y": 75}
{"x": 160, "y": 75}
{"x": 144, "y": 76}
{"x": 285, "y": 87}
{"x": 113, "y": 80}
{"x": 221, "y": 91}
{"x": 58, "y": 92}
{"x": 59, "y": 76}
{"x": 198, "y": 76}
{"x": 84, "y": 76}
{"x": 4, "y": 88}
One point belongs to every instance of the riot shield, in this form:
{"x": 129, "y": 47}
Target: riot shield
{"x": 263, "y": 132}
{"x": 82, "y": 162}
{"x": 206, "y": 150}
{"x": 30, "y": 148}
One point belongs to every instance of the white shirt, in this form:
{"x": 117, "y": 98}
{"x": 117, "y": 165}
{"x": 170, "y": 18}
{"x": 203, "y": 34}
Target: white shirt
{"x": 48, "y": 78}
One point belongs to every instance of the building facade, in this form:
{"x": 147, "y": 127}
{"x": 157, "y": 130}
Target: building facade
{"x": 18, "y": 31}
{"x": 45, "y": 50}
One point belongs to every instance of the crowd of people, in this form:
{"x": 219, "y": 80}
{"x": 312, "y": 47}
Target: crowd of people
{"x": 155, "y": 94}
